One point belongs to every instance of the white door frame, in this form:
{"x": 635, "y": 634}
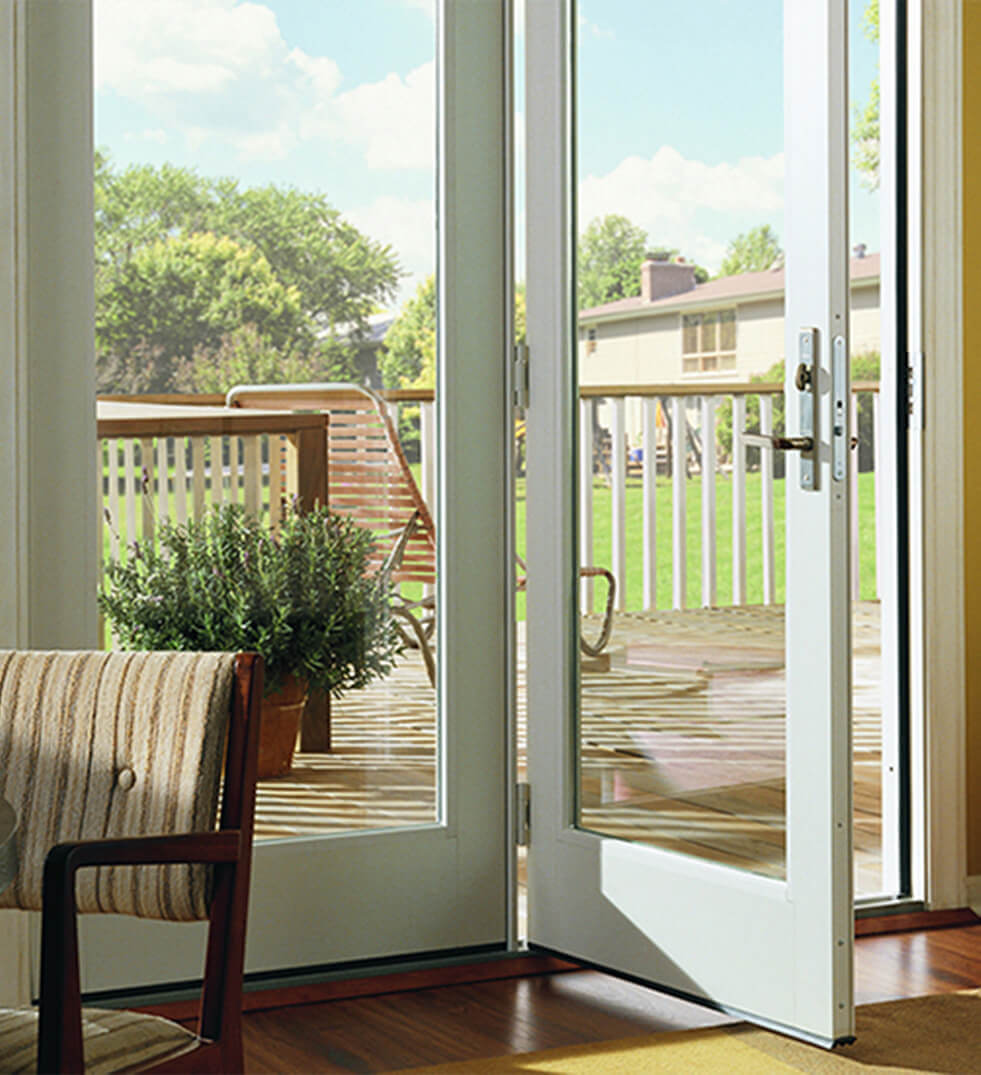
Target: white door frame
{"x": 777, "y": 951}
{"x": 48, "y": 528}
{"x": 371, "y": 895}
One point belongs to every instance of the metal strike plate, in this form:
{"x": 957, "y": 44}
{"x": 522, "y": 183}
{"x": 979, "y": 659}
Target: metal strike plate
{"x": 839, "y": 409}
{"x": 805, "y": 381}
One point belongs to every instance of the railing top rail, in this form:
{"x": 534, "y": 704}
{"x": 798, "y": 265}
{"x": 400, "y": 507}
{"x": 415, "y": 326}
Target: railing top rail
{"x": 713, "y": 388}
{"x": 117, "y": 419}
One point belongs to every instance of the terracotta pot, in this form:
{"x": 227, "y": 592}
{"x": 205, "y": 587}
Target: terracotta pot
{"x": 279, "y": 726}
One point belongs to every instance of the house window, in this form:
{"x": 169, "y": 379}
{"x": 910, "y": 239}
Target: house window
{"x": 708, "y": 342}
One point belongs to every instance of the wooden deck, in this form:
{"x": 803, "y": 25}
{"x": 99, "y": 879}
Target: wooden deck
{"x": 682, "y": 744}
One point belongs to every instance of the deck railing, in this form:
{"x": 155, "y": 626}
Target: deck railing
{"x": 158, "y": 460}
{"x": 645, "y": 449}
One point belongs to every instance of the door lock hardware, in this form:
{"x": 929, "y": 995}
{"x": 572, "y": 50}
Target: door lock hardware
{"x": 780, "y": 444}
{"x": 805, "y": 381}
{"x": 840, "y": 441}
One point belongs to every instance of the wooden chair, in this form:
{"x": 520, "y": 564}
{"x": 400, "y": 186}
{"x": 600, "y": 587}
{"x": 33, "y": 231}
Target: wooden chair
{"x": 113, "y": 763}
{"x": 368, "y": 478}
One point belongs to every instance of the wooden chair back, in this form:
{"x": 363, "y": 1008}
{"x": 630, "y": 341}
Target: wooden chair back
{"x": 368, "y": 476}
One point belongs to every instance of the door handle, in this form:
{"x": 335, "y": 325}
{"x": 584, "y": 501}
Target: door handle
{"x": 780, "y": 444}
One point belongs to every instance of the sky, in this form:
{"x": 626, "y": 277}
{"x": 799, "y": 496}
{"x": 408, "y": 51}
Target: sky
{"x": 679, "y": 122}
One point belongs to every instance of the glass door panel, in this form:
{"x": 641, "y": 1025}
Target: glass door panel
{"x": 690, "y": 775}
{"x": 314, "y": 154}
{"x": 681, "y": 734}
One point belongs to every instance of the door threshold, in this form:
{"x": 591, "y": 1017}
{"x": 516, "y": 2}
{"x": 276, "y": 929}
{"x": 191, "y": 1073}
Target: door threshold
{"x": 314, "y": 985}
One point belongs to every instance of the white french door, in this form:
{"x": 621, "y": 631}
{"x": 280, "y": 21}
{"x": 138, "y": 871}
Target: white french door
{"x": 637, "y": 867}
{"x": 401, "y": 887}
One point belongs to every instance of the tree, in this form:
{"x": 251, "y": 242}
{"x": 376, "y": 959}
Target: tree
{"x": 246, "y": 356}
{"x": 755, "y": 250}
{"x": 865, "y": 128}
{"x": 611, "y": 251}
{"x": 322, "y": 275}
{"x": 341, "y": 275}
{"x": 178, "y": 294}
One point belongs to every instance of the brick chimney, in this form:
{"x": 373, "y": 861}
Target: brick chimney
{"x": 661, "y": 278}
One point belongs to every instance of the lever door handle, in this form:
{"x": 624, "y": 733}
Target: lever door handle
{"x": 781, "y": 444}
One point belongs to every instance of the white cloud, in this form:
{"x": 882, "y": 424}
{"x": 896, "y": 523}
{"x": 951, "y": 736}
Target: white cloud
{"x": 684, "y": 203}
{"x": 182, "y": 46}
{"x": 393, "y": 121}
{"x": 409, "y": 226}
{"x": 220, "y": 71}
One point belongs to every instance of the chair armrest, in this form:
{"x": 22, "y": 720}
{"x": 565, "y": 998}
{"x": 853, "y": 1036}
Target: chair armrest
{"x": 60, "y": 1031}
{"x": 67, "y": 858}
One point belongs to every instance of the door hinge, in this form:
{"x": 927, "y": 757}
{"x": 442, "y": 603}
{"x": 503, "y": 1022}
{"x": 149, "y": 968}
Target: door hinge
{"x": 522, "y": 814}
{"x": 520, "y": 376}
{"x": 914, "y": 390}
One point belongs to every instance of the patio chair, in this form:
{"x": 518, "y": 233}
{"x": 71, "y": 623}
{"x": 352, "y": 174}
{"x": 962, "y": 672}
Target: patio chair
{"x": 368, "y": 478}
{"x": 113, "y": 764}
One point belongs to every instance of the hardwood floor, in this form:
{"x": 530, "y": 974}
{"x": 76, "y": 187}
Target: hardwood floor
{"x": 461, "y": 1022}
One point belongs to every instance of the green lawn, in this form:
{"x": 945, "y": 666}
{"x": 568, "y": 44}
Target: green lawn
{"x": 602, "y": 527}
{"x": 723, "y": 536}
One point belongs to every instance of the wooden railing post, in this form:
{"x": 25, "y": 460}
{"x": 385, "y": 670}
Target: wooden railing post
{"x": 311, "y": 464}
{"x": 618, "y": 500}
{"x": 679, "y": 516}
{"x": 766, "y": 506}
{"x": 650, "y": 501}
{"x": 708, "y": 502}
{"x": 586, "y": 499}
{"x": 738, "y": 501}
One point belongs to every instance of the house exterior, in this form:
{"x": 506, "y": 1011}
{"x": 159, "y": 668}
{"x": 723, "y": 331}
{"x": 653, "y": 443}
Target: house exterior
{"x": 728, "y": 329}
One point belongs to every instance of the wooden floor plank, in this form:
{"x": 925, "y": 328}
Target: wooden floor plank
{"x": 469, "y": 1021}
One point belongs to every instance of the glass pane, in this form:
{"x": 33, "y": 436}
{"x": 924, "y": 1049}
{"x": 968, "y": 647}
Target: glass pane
{"x": 265, "y": 213}
{"x": 710, "y": 324}
{"x": 873, "y": 602}
{"x": 680, "y": 731}
{"x": 727, "y": 331}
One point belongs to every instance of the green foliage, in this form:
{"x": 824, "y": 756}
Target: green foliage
{"x": 864, "y": 367}
{"x": 611, "y": 251}
{"x": 409, "y": 354}
{"x": 246, "y": 356}
{"x": 304, "y": 598}
{"x": 341, "y": 275}
{"x": 755, "y": 250}
{"x": 177, "y": 294}
{"x": 865, "y": 125}
{"x": 306, "y": 274}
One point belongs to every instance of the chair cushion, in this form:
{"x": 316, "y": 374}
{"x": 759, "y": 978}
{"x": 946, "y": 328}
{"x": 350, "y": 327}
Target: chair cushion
{"x": 113, "y": 1040}
{"x": 96, "y": 745}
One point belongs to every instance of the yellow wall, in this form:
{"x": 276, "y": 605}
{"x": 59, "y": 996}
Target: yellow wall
{"x": 972, "y": 427}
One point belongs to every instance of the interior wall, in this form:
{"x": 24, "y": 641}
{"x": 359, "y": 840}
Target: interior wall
{"x": 972, "y": 427}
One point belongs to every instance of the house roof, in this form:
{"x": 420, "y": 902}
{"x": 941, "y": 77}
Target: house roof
{"x": 747, "y": 285}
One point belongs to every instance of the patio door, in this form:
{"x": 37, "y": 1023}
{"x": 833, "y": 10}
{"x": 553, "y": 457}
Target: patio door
{"x": 390, "y": 842}
{"x": 690, "y": 790}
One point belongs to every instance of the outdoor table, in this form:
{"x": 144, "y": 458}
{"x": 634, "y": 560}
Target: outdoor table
{"x": 8, "y": 844}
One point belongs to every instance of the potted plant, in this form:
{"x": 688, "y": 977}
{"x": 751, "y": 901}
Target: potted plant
{"x": 304, "y": 596}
